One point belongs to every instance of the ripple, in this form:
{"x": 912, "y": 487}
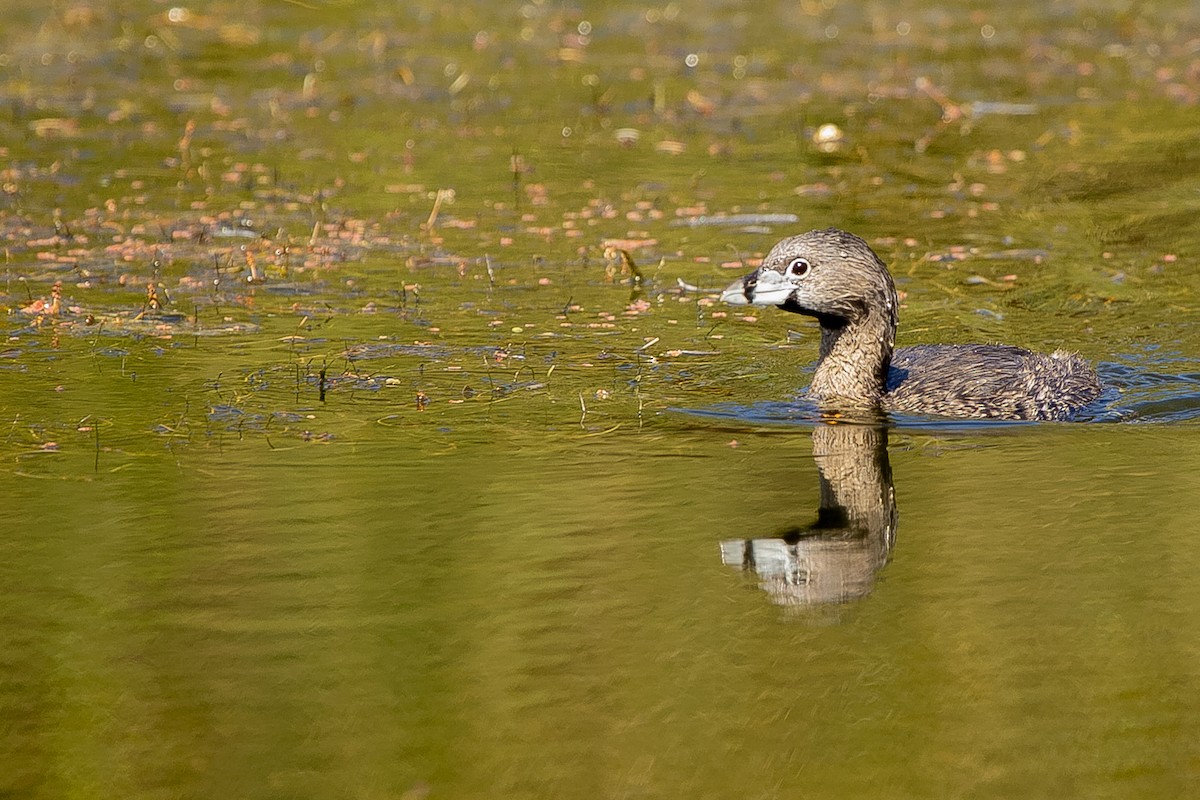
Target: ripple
{"x": 1132, "y": 394}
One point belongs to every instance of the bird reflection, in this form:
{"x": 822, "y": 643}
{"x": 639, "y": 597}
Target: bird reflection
{"x": 833, "y": 560}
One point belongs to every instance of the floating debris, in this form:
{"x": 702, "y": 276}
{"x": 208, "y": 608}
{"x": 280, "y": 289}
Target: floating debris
{"x": 627, "y": 136}
{"x": 735, "y": 220}
{"x": 235, "y": 232}
{"x": 981, "y": 107}
{"x": 694, "y": 353}
{"x": 1036, "y": 254}
{"x": 813, "y": 190}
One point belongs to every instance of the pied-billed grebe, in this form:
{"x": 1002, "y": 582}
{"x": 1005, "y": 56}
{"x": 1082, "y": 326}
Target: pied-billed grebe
{"x": 836, "y": 277}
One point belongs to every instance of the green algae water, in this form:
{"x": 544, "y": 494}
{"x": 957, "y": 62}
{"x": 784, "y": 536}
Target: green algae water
{"x": 370, "y": 427}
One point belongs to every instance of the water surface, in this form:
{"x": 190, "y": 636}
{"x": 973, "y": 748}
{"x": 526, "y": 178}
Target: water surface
{"x": 349, "y": 458}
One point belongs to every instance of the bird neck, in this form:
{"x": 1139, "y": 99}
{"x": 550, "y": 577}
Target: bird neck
{"x": 855, "y": 356}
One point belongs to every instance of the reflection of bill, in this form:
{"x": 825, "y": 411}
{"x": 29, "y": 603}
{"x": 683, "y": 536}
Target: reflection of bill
{"x": 834, "y": 559}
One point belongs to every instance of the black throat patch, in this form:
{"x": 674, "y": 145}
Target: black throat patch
{"x": 826, "y": 320}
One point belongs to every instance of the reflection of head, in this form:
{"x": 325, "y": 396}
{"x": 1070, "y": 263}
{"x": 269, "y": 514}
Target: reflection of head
{"x": 834, "y": 559}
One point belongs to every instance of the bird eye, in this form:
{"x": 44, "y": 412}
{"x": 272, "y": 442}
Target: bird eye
{"x": 798, "y": 267}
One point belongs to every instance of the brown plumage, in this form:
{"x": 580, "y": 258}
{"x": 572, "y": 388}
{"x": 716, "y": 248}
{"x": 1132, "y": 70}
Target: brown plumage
{"x": 836, "y": 277}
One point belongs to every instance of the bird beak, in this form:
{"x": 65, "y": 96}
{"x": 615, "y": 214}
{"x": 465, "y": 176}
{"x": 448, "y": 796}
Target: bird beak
{"x": 763, "y": 287}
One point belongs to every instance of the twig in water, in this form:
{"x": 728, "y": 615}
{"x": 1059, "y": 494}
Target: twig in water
{"x": 487, "y": 367}
{"x": 185, "y": 146}
{"x": 437, "y": 207}
{"x": 216, "y": 273}
{"x": 951, "y": 112}
{"x": 252, "y": 264}
{"x": 737, "y": 253}
{"x": 522, "y": 368}
{"x": 662, "y": 262}
{"x": 637, "y": 381}
{"x": 626, "y": 261}
{"x": 95, "y": 344}
{"x": 650, "y": 343}
{"x": 517, "y": 164}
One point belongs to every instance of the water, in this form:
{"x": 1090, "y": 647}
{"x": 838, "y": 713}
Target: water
{"x": 392, "y": 483}
{"x": 273, "y": 621}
